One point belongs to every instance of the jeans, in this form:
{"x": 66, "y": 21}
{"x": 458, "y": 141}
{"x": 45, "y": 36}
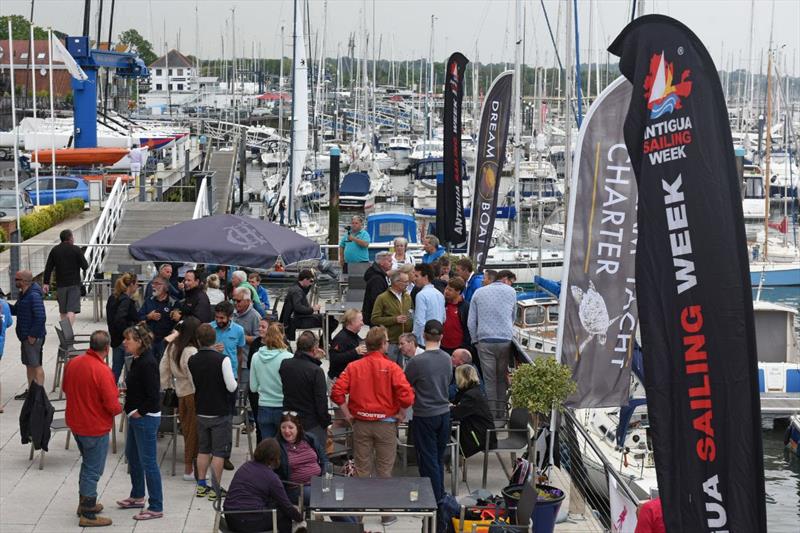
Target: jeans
{"x": 93, "y": 461}
{"x": 140, "y": 449}
{"x": 431, "y": 436}
{"x": 269, "y": 420}
{"x": 117, "y": 361}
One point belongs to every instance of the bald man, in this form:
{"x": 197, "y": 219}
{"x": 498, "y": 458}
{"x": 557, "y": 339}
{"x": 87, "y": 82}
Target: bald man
{"x": 461, "y": 356}
{"x": 31, "y": 316}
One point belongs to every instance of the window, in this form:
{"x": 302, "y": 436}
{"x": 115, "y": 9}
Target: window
{"x": 62, "y": 184}
{"x": 158, "y": 72}
{"x": 180, "y": 86}
{"x": 40, "y": 55}
{"x": 391, "y": 229}
{"x": 180, "y": 72}
{"x": 170, "y": 72}
{"x": 158, "y": 86}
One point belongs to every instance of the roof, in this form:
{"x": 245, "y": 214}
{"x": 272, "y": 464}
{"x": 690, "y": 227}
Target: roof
{"x": 174, "y": 58}
{"x": 21, "y": 53}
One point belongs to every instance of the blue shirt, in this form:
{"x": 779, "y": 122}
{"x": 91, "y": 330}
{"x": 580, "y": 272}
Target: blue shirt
{"x": 475, "y": 282}
{"x": 430, "y": 258}
{"x": 491, "y": 313}
{"x": 232, "y": 338}
{"x": 353, "y": 253}
{"x": 428, "y": 305}
{"x": 264, "y": 297}
{"x": 6, "y": 321}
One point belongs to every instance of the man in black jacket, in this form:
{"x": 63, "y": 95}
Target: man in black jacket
{"x": 377, "y": 280}
{"x": 297, "y": 313}
{"x": 214, "y": 381}
{"x": 195, "y": 302}
{"x": 304, "y": 388}
{"x": 67, "y": 260}
{"x": 346, "y": 346}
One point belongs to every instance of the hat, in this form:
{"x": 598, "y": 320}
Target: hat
{"x": 433, "y": 327}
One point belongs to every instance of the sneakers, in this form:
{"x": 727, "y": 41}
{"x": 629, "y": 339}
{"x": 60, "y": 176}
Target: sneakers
{"x": 202, "y": 492}
{"x": 212, "y": 496}
{"x": 229, "y": 465}
{"x": 22, "y": 395}
{"x": 189, "y": 477}
{"x": 388, "y": 520}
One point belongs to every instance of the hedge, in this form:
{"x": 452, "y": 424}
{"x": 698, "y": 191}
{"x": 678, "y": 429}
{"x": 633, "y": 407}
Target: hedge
{"x": 47, "y": 217}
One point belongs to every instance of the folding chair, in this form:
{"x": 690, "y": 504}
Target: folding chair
{"x": 58, "y": 424}
{"x": 518, "y": 438}
{"x": 169, "y": 426}
{"x": 68, "y": 347}
{"x": 241, "y": 420}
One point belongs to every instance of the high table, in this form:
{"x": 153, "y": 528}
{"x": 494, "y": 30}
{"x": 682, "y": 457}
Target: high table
{"x": 335, "y": 310}
{"x": 375, "y": 497}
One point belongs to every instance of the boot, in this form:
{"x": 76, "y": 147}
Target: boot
{"x": 89, "y": 516}
{"x": 98, "y": 508}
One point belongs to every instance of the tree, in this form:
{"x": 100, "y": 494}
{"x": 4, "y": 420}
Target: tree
{"x": 138, "y": 44}
{"x": 21, "y": 28}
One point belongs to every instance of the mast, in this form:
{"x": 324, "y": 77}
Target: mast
{"x": 429, "y": 98}
{"x": 280, "y": 88}
{"x": 568, "y": 101}
{"x": 299, "y": 139}
{"x": 517, "y": 117}
{"x": 768, "y": 150}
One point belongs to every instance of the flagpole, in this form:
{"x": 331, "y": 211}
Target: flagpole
{"x": 14, "y": 119}
{"x": 36, "y": 137}
{"x": 52, "y": 111}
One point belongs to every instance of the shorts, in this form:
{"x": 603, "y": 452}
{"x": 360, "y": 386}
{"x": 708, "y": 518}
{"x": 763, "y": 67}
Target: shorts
{"x": 69, "y": 299}
{"x": 214, "y": 435}
{"x": 32, "y": 353}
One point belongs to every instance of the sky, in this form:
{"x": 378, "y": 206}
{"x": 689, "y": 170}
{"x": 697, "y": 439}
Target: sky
{"x": 403, "y": 27}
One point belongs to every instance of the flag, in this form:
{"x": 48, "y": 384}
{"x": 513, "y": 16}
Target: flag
{"x": 782, "y": 226}
{"x": 61, "y": 54}
{"x": 692, "y": 283}
{"x": 450, "y": 225}
{"x": 623, "y": 510}
{"x": 599, "y": 315}
{"x": 492, "y": 137}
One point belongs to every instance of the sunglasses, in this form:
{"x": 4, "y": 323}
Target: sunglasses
{"x": 290, "y": 413}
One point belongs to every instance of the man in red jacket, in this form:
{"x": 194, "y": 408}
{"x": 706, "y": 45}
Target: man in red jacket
{"x": 92, "y": 404}
{"x": 379, "y": 394}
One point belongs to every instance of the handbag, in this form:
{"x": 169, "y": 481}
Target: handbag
{"x": 170, "y": 399}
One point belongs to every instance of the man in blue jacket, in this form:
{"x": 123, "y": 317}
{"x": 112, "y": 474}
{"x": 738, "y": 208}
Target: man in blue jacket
{"x": 30, "y": 313}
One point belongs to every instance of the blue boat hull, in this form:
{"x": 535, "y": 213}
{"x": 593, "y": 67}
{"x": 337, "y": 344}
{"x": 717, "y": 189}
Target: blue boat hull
{"x": 788, "y": 277}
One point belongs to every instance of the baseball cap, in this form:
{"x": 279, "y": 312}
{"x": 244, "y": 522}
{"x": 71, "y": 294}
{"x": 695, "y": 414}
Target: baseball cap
{"x": 433, "y": 327}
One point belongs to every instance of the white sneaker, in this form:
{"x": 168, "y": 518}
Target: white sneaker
{"x": 189, "y": 477}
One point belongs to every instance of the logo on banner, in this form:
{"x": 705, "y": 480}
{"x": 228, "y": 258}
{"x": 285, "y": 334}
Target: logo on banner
{"x": 662, "y": 96}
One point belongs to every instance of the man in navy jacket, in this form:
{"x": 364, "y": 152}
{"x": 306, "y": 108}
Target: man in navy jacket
{"x": 30, "y": 313}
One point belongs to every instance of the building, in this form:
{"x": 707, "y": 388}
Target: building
{"x": 23, "y": 77}
{"x": 173, "y": 72}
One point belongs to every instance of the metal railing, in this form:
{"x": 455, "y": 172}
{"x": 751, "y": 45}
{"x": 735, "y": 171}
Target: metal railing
{"x": 201, "y": 205}
{"x": 104, "y": 231}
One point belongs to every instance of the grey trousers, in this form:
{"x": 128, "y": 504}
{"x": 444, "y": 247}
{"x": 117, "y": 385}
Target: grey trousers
{"x": 494, "y": 358}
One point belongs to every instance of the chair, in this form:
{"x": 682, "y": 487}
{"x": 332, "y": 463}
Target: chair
{"x": 220, "y": 523}
{"x": 169, "y": 426}
{"x": 404, "y": 445}
{"x": 317, "y": 526}
{"x": 58, "y": 424}
{"x": 356, "y": 286}
{"x": 241, "y": 420}
{"x": 518, "y": 439}
{"x": 68, "y": 347}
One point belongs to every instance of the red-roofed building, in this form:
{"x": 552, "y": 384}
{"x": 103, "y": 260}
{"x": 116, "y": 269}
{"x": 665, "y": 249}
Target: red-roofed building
{"x": 22, "y": 67}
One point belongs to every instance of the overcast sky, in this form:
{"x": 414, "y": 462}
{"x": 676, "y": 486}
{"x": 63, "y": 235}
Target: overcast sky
{"x": 403, "y": 26}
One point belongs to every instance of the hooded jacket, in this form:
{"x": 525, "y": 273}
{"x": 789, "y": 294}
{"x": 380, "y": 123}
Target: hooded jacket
{"x": 265, "y": 378}
{"x": 30, "y": 313}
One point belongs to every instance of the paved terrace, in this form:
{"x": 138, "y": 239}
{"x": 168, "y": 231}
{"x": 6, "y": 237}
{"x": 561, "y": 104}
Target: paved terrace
{"x": 44, "y": 501}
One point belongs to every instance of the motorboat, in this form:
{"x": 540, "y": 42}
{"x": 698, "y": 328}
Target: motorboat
{"x": 322, "y": 160}
{"x": 792, "y": 439}
{"x": 355, "y": 192}
{"x": 399, "y": 149}
{"x": 427, "y": 174}
{"x": 424, "y": 150}
{"x": 82, "y": 157}
{"x": 753, "y": 206}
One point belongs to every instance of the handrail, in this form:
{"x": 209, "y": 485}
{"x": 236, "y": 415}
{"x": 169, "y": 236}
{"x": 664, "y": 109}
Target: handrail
{"x": 104, "y": 231}
{"x": 201, "y": 204}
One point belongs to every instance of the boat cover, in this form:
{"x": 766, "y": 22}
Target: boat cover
{"x": 355, "y": 184}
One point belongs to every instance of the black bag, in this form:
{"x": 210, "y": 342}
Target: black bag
{"x": 170, "y": 399}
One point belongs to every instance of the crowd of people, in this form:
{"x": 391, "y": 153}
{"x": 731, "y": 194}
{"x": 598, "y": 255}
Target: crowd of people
{"x": 436, "y": 350}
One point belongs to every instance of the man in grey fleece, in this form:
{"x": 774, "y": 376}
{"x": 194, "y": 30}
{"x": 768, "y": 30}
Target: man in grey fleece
{"x": 429, "y": 374}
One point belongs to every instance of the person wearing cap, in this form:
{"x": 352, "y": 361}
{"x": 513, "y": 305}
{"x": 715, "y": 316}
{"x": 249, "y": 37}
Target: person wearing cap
{"x": 429, "y": 373}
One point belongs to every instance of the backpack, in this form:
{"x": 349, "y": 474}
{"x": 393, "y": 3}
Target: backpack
{"x": 523, "y": 472}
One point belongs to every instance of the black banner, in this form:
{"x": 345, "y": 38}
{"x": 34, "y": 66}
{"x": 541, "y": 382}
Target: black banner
{"x": 450, "y": 225}
{"x": 492, "y": 138}
{"x": 693, "y": 283}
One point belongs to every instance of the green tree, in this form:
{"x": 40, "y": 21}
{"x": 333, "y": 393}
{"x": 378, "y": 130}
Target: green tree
{"x": 21, "y": 28}
{"x": 139, "y": 44}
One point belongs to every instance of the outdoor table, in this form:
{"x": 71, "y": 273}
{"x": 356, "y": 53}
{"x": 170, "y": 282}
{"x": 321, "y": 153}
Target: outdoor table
{"x": 334, "y": 310}
{"x": 375, "y": 497}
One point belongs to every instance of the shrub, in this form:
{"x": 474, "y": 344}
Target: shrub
{"x": 47, "y": 217}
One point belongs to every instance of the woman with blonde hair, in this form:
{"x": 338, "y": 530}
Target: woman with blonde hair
{"x": 174, "y": 370}
{"x": 215, "y": 295}
{"x": 400, "y": 255}
{"x": 471, "y": 409}
{"x": 265, "y": 379}
{"x": 121, "y": 313}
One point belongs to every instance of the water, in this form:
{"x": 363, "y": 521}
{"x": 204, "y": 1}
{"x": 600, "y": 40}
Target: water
{"x": 781, "y": 468}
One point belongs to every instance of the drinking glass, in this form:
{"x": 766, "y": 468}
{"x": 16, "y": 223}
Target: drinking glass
{"x": 413, "y": 494}
{"x": 327, "y": 477}
{"x": 339, "y": 490}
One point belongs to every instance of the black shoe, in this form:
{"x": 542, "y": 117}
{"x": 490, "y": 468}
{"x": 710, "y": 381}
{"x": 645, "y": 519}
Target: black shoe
{"x": 228, "y": 465}
{"x": 22, "y": 395}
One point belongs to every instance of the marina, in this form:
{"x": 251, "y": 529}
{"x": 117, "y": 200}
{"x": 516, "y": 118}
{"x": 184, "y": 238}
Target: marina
{"x": 539, "y": 169}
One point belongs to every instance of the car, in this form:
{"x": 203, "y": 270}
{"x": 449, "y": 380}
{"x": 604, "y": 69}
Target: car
{"x": 67, "y": 187}
{"x": 8, "y": 204}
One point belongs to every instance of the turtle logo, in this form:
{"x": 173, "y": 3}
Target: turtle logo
{"x": 593, "y": 314}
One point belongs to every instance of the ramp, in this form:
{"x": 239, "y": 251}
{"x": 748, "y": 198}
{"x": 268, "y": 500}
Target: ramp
{"x": 223, "y": 164}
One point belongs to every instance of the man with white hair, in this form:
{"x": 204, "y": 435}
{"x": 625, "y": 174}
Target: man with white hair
{"x": 244, "y": 314}
{"x": 239, "y": 279}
